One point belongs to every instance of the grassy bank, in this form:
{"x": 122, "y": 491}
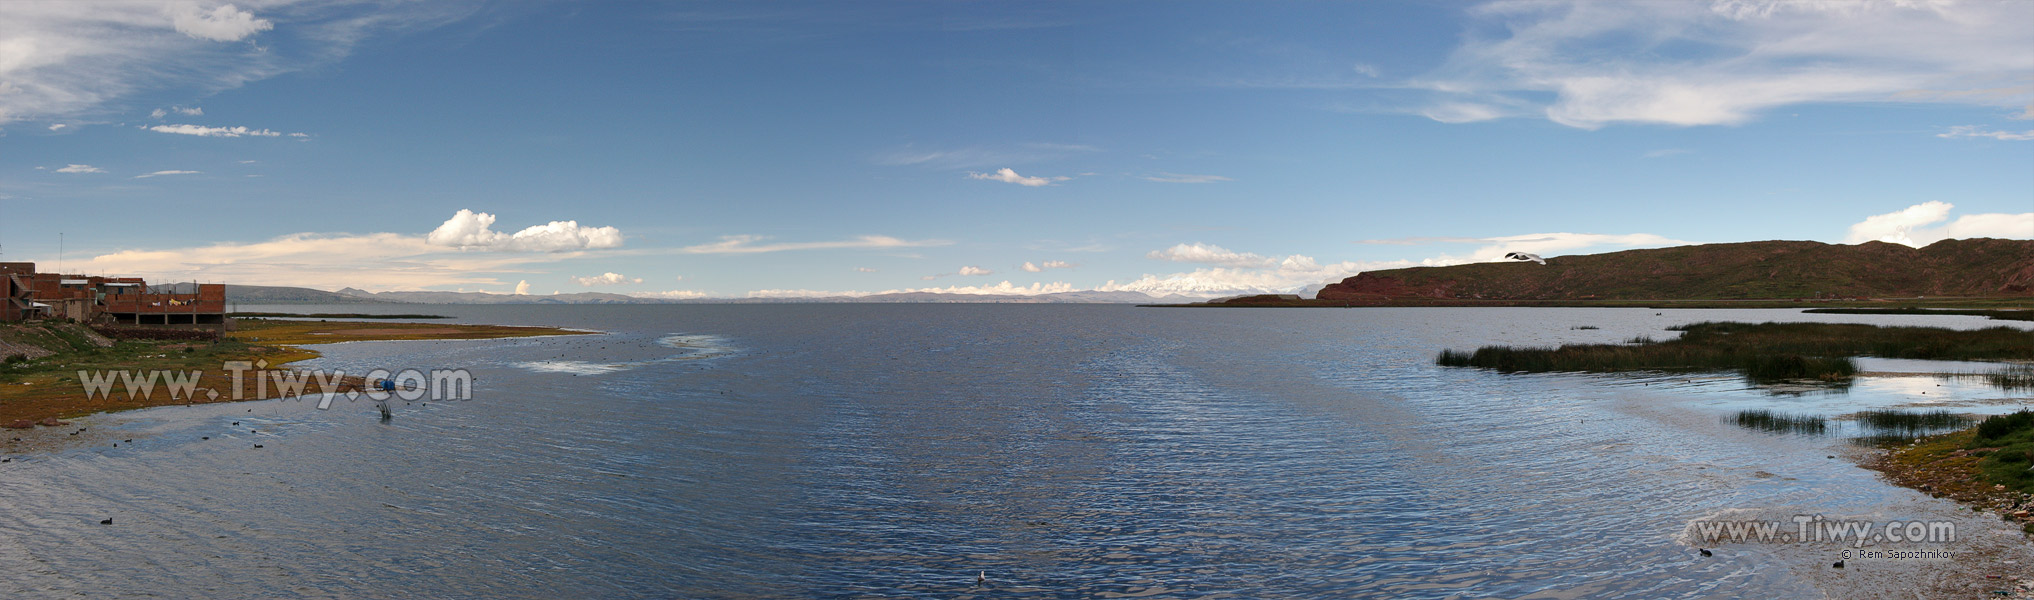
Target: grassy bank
{"x": 2003, "y": 315}
{"x": 1986, "y": 466}
{"x": 48, "y": 385}
{"x": 1764, "y": 351}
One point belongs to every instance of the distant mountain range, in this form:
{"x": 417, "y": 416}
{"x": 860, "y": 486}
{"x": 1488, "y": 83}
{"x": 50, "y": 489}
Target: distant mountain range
{"x": 258, "y": 294}
{"x": 1751, "y": 270}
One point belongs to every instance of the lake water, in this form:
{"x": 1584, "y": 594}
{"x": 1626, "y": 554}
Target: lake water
{"x": 845, "y": 451}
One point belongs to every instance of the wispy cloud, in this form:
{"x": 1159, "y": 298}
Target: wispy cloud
{"x": 164, "y": 112}
{"x": 1179, "y": 178}
{"x": 609, "y": 278}
{"x": 978, "y": 157}
{"x": 162, "y": 173}
{"x": 375, "y": 261}
{"x": 751, "y": 244}
{"x": 229, "y": 132}
{"x": 966, "y": 271}
{"x": 80, "y": 169}
{"x": 1007, "y": 175}
{"x": 1211, "y": 254}
{"x": 1912, "y": 226}
{"x": 1973, "y": 131}
{"x": 68, "y": 59}
{"x": 1588, "y": 64}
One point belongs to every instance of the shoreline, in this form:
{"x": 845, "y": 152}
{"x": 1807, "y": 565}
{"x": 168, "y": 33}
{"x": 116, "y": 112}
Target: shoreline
{"x": 50, "y": 390}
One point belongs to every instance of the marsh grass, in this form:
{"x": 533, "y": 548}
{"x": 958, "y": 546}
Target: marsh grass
{"x": 1581, "y": 327}
{"x": 2010, "y": 458}
{"x": 1764, "y": 352}
{"x": 1910, "y": 424}
{"x": 2003, "y": 315}
{"x": 1767, "y": 420}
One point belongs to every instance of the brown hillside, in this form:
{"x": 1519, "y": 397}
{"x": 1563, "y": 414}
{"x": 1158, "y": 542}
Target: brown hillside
{"x": 1749, "y": 270}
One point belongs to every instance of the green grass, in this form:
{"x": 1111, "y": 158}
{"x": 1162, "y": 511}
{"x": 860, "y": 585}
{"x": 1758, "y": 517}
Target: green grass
{"x": 1767, "y": 420}
{"x": 1910, "y": 424}
{"x": 1764, "y": 351}
{"x": 2011, "y": 461}
{"x": 2003, "y": 315}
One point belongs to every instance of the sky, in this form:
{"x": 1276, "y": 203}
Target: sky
{"x": 785, "y": 149}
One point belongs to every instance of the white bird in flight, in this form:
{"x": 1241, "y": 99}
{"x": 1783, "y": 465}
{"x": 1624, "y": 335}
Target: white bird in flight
{"x": 1526, "y": 256}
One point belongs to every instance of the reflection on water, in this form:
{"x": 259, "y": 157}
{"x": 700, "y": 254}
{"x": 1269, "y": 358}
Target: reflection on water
{"x": 871, "y": 450}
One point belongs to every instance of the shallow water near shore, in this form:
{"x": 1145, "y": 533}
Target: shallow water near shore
{"x": 898, "y": 450}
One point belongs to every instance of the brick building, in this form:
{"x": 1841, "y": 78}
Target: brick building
{"x": 26, "y": 294}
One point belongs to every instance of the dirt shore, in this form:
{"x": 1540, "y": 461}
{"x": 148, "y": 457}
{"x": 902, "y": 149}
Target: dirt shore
{"x": 52, "y": 387}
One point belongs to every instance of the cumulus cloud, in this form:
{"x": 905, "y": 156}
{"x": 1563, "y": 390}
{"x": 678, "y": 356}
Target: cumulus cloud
{"x": 1910, "y": 226}
{"x": 1179, "y": 178}
{"x": 228, "y": 132}
{"x": 973, "y": 270}
{"x": 1030, "y": 268}
{"x": 1211, "y": 254}
{"x": 1007, "y": 175}
{"x": 523, "y": 288}
{"x": 750, "y": 244}
{"x": 162, "y": 173}
{"x": 80, "y": 169}
{"x": 1973, "y": 131}
{"x": 1588, "y": 64}
{"x": 221, "y": 24}
{"x": 609, "y": 278}
{"x": 1295, "y": 274}
{"x": 471, "y": 230}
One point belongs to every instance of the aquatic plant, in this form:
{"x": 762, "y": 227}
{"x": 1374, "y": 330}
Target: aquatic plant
{"x": 1910, "y": 424}
{"x": 1767, "y": 420}
{"x": 2004, "y": 315}
{"x": 1765, "y": 352}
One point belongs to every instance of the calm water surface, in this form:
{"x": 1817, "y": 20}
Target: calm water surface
{"x": 898, "y": 450}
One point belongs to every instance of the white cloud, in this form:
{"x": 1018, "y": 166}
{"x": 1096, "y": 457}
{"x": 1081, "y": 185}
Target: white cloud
{"x": 62, "y": 60}
{"x": 864, "y": 270}
{"x": 1587, "y": 64}
{"x": 375, "y": 262}
{"x": 1211, "y": 254}
{"x": 1291, "y": 275}
{"x": 1004, "y": 288}
{"x": 162, "y": 173}
{"x": 670, "y": 294}
{"x": 1973, "y": 131}
{"x": 164, "y": 112}
{"x": 748, "y": 244}
{"x": 981, "y": 156}
{"x": 1030, "y": 268}
{"x": 1909, "y": 226}
{"x": 80, "y": 169}
{"x": 973, "y": 270}
{"x": 523, "y": 288}
{"x": 203, "y": 131}
{"x": 57, "y": 126}
{"x": 1007, "y": 175}
{"x": 222, "y": 24}
{"x": 1179, "y": 178}
{"x": 1058, "y": 264}
{"x": 609, "y": 278}
{"x": 470, "y": 230}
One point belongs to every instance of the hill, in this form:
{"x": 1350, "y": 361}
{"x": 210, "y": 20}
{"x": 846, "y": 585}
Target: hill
{"x": 264, "y": 294}
{"x": 1980, "y": 267}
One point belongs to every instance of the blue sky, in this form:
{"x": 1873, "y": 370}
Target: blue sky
{"x": 729, "y": 149}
